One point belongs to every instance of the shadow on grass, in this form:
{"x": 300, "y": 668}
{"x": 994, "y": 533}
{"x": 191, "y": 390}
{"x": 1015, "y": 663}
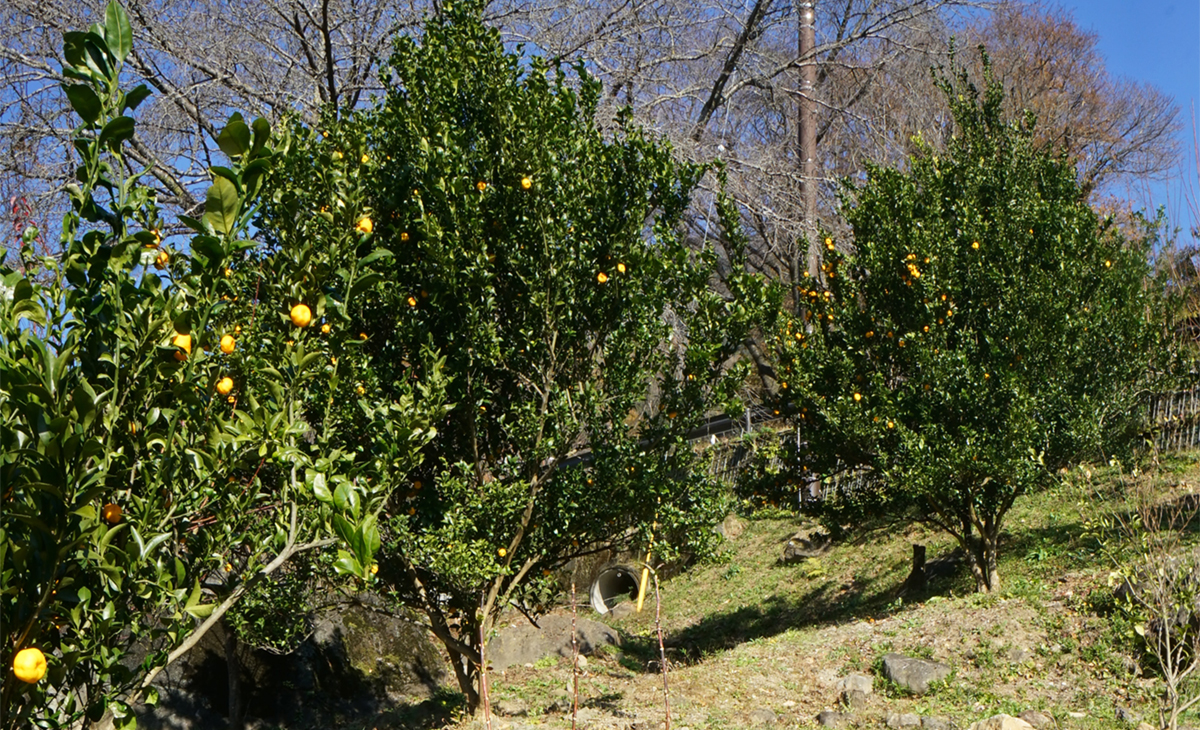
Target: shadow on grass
{"x": 1045, "y": 551}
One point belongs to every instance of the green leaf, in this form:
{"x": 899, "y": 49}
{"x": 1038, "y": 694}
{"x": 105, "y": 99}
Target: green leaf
{"x": 134, "y": 98}
{"x": 221, "y": 205}
{"x": 84, "y": 101}
{"x": 234, "y": 139}
{"x": 118, "y": 34}
{"x": 117, "y": 131}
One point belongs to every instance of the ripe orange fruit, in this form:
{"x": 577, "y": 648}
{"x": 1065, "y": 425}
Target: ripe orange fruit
{"x": 526, "y": 183}
{"x": 602, "y": 277}
{"x": 481, "y": 186}
{"x": 225, "y": 385}
{"x": 975, "y": 245}
{"x": 325, "y": 328}
{"x": 365, "y": 158}
{"x": 829, "y": 243}
{"x": 227, "y": 344}
{"x": 412, "y": 301}
{"x": 162, "y": 259}
{"x": 360, "y": 390}
{"x": 620, "y": 268}
{"x": 184, "y": 343}
{"x": 301, "y": 315}
{"x": 891, "y": 425}
{"x": 365, "y": 225}
{"x": 857, "y": 397}
{"x": 29, "y": 665}
{"x": 404, "y": 236}
{"x": 374, "y": 568}
{"x": 502, "y": 552}
{"x": 111, "y": 513}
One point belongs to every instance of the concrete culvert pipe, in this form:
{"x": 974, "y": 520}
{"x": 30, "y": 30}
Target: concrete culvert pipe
{"x": 614, "y": 584}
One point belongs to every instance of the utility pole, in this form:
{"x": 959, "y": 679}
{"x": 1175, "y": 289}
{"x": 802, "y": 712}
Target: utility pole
{"x": 807, "y": 137}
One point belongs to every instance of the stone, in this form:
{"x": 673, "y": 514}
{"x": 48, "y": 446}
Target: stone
{"x": 854, "y": 699}
{"x": 914, "y": 675}
{"x": 762, "y": 717}
{"x": 809, "y": 543}
{"x": 622, "y": 609}
{"x": 510, "y": 708}
{"x": 856, "y": 682}
{"x": 1001, "y": 722}
{"x": 1038, "y": 720}
{"x": 524, "y": 643}
{"x": 829, "y": 718}
{"x": 936, "y": 723}
{"x": 897, "y": 720}
{"x": 731, "y": 527}
{"x": 1127, "y": 716}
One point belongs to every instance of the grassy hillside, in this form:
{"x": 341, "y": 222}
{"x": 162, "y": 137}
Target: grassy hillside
{"x": 750, "y": 638}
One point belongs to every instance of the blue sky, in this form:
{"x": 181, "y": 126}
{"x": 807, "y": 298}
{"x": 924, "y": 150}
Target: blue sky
{"x": 1156, "y": 41}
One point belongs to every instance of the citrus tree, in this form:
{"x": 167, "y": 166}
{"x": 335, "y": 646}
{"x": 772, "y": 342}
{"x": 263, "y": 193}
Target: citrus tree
{"x": 985, "y": 330}
{"x": 541, "y": 256}
{"x": 156, "y": 455}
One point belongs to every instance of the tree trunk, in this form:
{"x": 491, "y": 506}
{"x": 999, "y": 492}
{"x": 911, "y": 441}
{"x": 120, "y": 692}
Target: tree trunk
{"x": 235, "y": 686}
{"x": 465, "y": 672}
{"x": 981, "y": 552}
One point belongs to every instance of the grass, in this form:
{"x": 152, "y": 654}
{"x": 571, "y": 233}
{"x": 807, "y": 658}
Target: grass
{"x": 748, "y": 632}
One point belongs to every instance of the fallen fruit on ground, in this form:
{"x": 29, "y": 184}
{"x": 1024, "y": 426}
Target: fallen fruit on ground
{"x": 29, "y": 665}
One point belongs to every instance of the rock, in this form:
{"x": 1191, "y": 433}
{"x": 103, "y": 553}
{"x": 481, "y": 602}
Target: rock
{"x": 1037, "y": 719}
{"x": 761, "y": 717}
{"x": 856, "y": 682}
{"x": 809, "y": 543}
{"x": 854, "y": 699}
{"x": 829, "y": 718}
{"x": 914, "y": 675}
{"x": 731, "y": 527}
{"x": 1001, "y": 722}
{"x": 827, "y": 677}
{"x": 622, "y": 609}
{"x": 525, "y": 643}
{"x": 896, "y": 720}
{"x": 511, "y": 708}
{"x": 936, "y": 723}
{"x": 1127, "y": 716}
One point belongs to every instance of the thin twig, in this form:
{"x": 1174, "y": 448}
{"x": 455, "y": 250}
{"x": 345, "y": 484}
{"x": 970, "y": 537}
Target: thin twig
{"x": 662, "y": 649}
{"x": 574, "y": 660}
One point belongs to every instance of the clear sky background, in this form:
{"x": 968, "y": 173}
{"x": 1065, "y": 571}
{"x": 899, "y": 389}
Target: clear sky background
{"x": 1157, "y": 41}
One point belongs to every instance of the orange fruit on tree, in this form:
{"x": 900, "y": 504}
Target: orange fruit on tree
{"x": 162, "y": 259}
{"x": 301, "y": 315}
{"x": 227, "y": 344}
{"x": 325, "y": 328}
{"x": 184, "y": 343}
{"x": 620, "y": 268}
{"x": 502, "y": 552}
{"x": 225, "y": 385}
{"x": 29, "y": 665}
{"x": 365, "y": 225}
{"x": 111, "y": 513}
{"x": 602, "y": 277}
{"x": 481, "y": 186}
{"x": 526, "y": 183}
